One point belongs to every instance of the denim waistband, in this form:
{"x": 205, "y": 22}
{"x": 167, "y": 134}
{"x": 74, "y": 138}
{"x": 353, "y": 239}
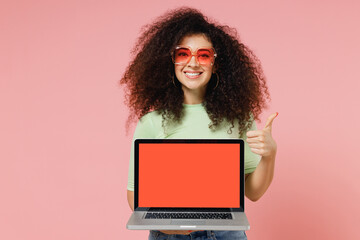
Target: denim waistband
{"x": 193, "y": 233}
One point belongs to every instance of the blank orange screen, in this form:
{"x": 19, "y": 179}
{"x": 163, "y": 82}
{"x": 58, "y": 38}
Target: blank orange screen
{"x": 201, "y": 175}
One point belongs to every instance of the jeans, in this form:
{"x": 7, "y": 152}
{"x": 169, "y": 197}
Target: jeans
{"x": 200, "y": 235}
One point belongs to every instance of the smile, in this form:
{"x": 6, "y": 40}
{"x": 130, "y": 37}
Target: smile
{"x": 192, "y": 74}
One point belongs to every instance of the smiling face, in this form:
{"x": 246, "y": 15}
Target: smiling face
{"x": 193, "y": 76}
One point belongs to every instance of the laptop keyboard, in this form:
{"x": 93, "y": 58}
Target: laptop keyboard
{"x": 184, "y": 215}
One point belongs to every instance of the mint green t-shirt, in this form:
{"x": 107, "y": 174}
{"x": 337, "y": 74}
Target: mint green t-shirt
{"x": 194, "y": 124}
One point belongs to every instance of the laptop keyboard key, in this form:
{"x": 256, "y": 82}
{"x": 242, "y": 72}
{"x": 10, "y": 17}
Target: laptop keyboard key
{"x": 188, "y": 215}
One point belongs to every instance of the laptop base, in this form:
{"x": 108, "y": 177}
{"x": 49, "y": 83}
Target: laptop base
{"x": 137, "y": 221}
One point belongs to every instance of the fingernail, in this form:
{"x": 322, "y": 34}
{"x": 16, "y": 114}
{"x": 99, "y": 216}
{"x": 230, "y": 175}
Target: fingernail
{"x": 277, "y": 114}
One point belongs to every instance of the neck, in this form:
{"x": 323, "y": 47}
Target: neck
{"x": 194, "y": 96}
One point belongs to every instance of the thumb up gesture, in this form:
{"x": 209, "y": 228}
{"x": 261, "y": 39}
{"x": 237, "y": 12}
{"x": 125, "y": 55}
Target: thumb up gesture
{"x": 261, "y": 141}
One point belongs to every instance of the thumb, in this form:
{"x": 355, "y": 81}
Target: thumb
{"x": 270, "y": 120}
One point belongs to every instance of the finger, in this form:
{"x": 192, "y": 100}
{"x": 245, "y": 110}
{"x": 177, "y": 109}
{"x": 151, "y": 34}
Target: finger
{"x": 258, "y": 139}
{"x": 270, "y": 120}
{"x": 257, "y": 151}
{"x": 256, "y": 133}
{"x": 256, "y": 145}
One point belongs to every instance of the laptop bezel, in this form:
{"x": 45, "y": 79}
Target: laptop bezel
{"x": 220, "y": 141}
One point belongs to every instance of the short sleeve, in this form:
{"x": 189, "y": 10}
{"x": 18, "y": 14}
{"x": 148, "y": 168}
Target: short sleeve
{"x": 251, "y": 159}
{"x": 144, "y": 129}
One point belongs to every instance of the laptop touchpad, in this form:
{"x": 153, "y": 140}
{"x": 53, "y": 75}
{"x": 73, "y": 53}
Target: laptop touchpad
{"x": 187, "y": 222}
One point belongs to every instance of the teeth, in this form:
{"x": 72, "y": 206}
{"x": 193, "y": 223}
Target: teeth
{"x": 192, "y": 74}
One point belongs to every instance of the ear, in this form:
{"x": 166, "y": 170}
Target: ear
{"x": 215, "y": 68}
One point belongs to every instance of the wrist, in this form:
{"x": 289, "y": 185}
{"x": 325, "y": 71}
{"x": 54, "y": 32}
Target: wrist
{"x": 270, "y": 157}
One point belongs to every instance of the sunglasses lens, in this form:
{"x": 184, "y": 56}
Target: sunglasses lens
{"x": 182, "y": 55}
{"x": 205, "y": 56}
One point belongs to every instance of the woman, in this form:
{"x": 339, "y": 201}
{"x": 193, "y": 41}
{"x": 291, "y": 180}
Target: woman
{"x": 192, "y": 78}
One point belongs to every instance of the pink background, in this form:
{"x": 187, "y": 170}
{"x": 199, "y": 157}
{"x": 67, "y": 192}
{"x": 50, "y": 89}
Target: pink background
{"x": 64, "y": 151}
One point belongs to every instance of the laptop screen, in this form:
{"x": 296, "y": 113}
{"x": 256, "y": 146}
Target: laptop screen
{"x": 189, "y": 174}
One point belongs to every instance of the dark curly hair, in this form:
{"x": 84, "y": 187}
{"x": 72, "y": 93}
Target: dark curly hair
{"x": 240, "y": 95}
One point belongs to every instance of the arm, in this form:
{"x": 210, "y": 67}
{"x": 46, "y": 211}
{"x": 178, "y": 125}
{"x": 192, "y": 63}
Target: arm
{"x": 262, "y": 143}
{"x": 258, "y": 181}
{"x": 143, "y": 130}
{"x": 130, "y": 198}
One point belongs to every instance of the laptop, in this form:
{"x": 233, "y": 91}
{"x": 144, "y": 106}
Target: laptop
{"x": 189, "y": 184}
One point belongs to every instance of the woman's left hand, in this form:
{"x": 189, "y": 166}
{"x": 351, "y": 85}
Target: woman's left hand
{"x": 261, "y": 141}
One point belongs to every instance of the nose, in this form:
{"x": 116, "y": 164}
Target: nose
{"x": 193, "y": 61}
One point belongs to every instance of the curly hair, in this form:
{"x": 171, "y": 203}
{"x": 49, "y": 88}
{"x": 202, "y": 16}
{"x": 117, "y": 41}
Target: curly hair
{"x": 240, "y": 95}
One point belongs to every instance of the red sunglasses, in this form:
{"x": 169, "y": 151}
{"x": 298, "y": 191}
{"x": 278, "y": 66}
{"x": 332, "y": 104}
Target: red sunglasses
{"x": 183, "y": 54}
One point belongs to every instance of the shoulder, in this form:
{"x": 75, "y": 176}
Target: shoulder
{"x": 148, "y": 125}
{"x": 150, "y": 118}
